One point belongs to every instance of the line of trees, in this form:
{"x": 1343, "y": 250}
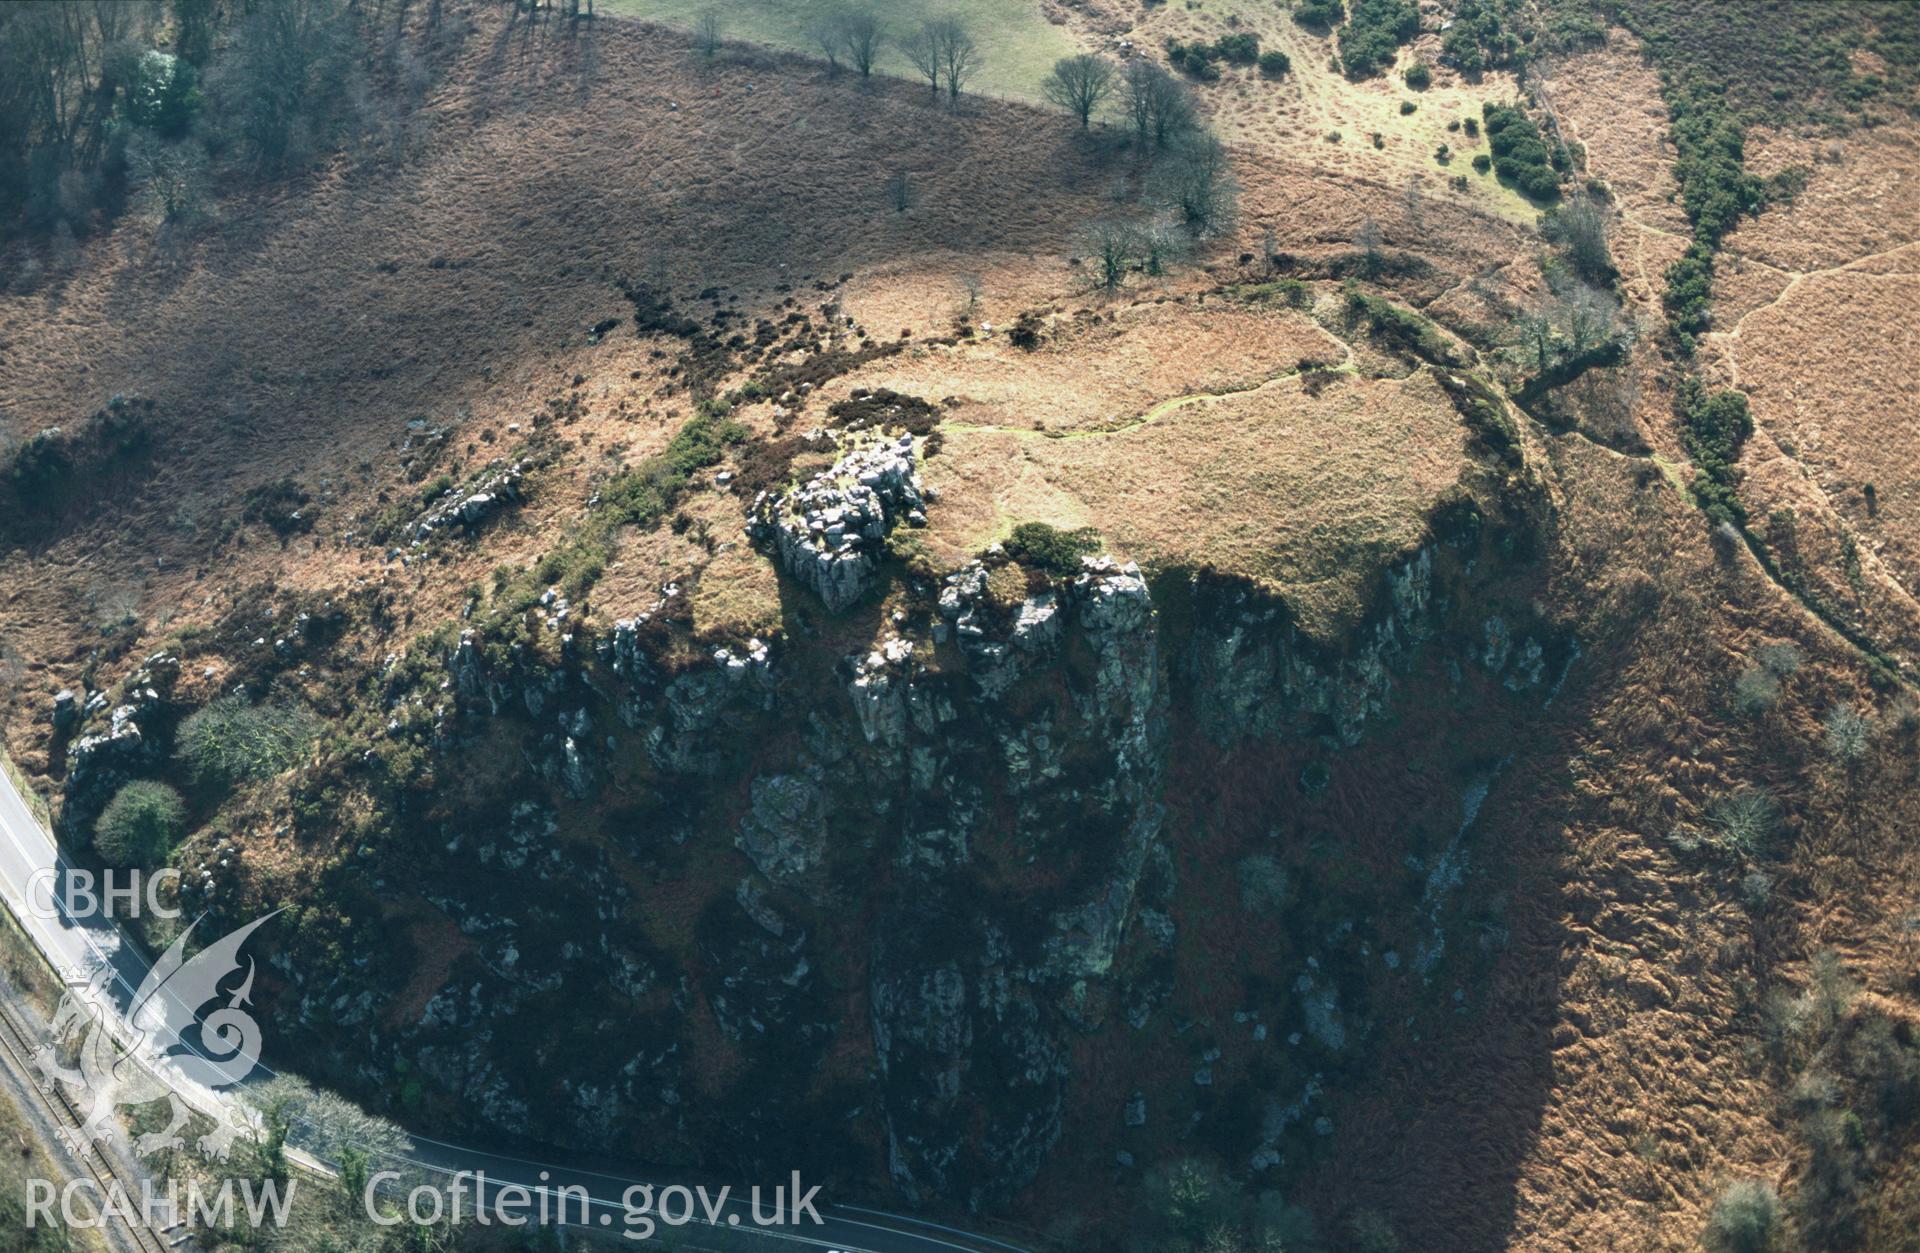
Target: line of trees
{"x": 853, "y": 35}
{"x": 941, "y": 50}
{"x": 1150, "y": 100}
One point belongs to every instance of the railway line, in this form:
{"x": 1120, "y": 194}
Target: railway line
{"x": 103, "y": 1168}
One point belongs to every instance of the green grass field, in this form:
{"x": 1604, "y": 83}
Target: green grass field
{"x": 1017, "y": 45}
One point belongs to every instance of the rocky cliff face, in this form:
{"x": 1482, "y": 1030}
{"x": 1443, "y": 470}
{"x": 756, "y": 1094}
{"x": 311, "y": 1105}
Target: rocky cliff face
{"x": 1042, "y": 746}
{"x": 910, "y": 881}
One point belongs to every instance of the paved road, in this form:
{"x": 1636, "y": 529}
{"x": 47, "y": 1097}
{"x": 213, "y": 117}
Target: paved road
{"x": 105, "y": 966}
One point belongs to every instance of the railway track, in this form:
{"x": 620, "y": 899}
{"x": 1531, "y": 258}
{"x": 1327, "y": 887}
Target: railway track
{"x": 107, "y": 1173}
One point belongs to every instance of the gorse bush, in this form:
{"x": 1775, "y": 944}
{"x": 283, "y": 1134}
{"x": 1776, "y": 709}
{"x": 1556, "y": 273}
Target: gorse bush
{"x": 1048, "y": 548}
{"x": 1519, "y": 153}
{"x": 1714, "y": 426}
{"x": 1715, "y": 188}
{"x": 1788, "y": 63}
{"x": 1240, "y": 48}
{"x": 231, "y": 741}
{"x": 1717, "y": 425}
{"x": 1689, "y": 292}
{"x": 1744, "y": 1219}
{"x": 1321, "y": 13}
{"x": 573, "y": 567}
{"x": 140, "y": 825}
{"x": 1195, "y": 60}
{"x": 1372, "y": 37}
{"x": 1716, "y": 191}
{"x": 1480, "y": 38}
{"x": 644, "y": 494}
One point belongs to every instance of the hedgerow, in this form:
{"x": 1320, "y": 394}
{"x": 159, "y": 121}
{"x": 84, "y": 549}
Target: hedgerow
{"x": 1402, "y": 328}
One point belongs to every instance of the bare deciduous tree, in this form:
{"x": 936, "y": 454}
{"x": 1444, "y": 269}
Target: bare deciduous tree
{"x": 1157, "y": 105}
{"x": 1079, "y": 84}
{"x": 922, "y": 51}
{"x": 292, "y": 79}
{"x": 1534, "y": 333}
{"x": 1369, "y": 240}
{"x": 1109, "y": 245}
{"x": 1582, "y": 225}
{"x": 1566, "y": 326}
{"x": 959, "y": 55}
{"x": 707, "y": 34}
{"x": 194, "y": 24}
{"x": 1587, "y": 316}
{"x": 900, "y": 191}
{"x": 1159, "y": 244}
{"x": 862, "y": 35}
{"x": 1270, "y": 248}
{"x": 1196, "y": 181}
{"x": 169, "y": 180}
{"x": 828, "y": 35}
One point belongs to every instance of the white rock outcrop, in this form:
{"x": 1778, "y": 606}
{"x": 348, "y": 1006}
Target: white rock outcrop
{"x": 830, "y": 532}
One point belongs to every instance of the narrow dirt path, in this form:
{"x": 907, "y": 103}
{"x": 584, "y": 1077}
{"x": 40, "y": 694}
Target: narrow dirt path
{"x": 1726, "y": 340}
{"x": 1155, "y": 412}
